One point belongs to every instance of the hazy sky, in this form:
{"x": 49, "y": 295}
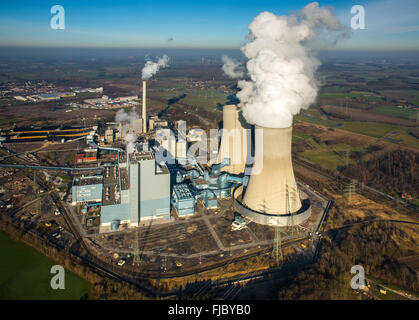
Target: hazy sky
{"x": 390, "y": 24}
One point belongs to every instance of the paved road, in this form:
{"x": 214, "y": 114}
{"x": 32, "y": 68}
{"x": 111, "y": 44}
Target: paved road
{"x": 400, "y": 293}
{"x": 214, "y": 234}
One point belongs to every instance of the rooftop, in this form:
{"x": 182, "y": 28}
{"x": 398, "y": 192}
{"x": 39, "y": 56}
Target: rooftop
{"x": 182, "y": 191}
{"x": 88, "y": 180}
{"x": 142, "y": 155}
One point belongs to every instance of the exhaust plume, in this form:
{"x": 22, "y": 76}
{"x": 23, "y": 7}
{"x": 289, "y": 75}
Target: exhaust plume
{"x": 151, "y": 68}
{"x": 123, "y": 116}
{"x": 130, "y": 139}
{"x": 280, "y": 67}
{"x": 232, "y": 68}
{"x": 126, "y": 119}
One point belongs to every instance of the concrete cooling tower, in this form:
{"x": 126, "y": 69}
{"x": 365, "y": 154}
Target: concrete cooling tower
{"x": 271, "y": 194}
{"x": 234, "y": 140}
{"x": 267, "y": 190}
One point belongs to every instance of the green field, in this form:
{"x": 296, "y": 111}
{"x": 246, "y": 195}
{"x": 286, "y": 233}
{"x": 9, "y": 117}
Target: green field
{"x": 332, "y": 156}
{"x": 25, "y": 274}
{"x": 328, "y": 156}
{"x": 397, "y": 112}
{"x": 411, "y": 96}
{"x": 372, "y": 129}
{"x": 202, "y": 98}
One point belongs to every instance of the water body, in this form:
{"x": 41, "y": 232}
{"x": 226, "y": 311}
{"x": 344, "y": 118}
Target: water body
{"x": 25, "y": 274}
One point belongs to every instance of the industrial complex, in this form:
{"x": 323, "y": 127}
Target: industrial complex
{"x": 155, "y": 178}
{"x": 142, "y": 193}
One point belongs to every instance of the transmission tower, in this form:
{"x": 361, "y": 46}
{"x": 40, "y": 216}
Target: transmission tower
{"x": 347, "y": 157}
{"x": 35, "y": 188}
{"x": 350, "y": 190}
{"x": 277, "y": 247}
{"x": 346, "y": 105}
{"x": 136, "y": 247}
{"x": 164, "y": 264}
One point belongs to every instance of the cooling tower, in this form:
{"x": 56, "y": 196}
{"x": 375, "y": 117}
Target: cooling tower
{"x": 273, "y": 189}
{"x": 144, "y": 108}
{"x": 234, "y": 140}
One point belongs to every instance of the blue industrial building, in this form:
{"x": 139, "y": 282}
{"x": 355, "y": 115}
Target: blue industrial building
{"x": 153, "y": 187}
{"x": 148, "y": 195}
{"x": 87, "y": 189}
{"x": 183, "y": 200}
{"x": 115, "y": 212}
{"x": 149, "y": 188}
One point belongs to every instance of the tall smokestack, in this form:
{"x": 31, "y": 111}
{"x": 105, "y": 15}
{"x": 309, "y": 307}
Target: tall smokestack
{"x": 144, "y": 108}
{"x": 273, "y": 189}
{"x": 234, "y": 140}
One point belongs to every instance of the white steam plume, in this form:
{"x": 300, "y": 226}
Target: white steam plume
{"x": 282, "y": 72}
{"x": 232, "y": 68}
{"x": 123, "y": 116}
{"x": 151, "y": 68}
{"x": 126, "y": 119}
{"x": 130, "y": 139}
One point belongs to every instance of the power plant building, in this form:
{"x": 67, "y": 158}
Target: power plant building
{"x": 87, "y": 190}
{"x": 183, "y": 200}
{"x": 149, "y": 188}
{"x": 148, "y": 195}
{"x": 137, "y": 126}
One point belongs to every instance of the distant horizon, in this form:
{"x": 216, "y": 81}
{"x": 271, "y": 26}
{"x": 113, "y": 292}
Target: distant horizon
{"x": 194, "y": 48}
{"x": 216, "y": 24}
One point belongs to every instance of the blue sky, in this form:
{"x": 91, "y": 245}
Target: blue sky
{"x": 390, "y": 24}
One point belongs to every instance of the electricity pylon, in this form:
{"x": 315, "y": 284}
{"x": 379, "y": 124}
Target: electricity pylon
{"x": 277, "y": 248}
{"x": 35, "y": 188}
{"x": 350, "y": 190}
{"x": 136, "y": 247}
{"x": 277, "y": 245}
{"x": 347, "y": 157}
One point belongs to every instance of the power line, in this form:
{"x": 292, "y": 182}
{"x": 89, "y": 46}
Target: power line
{"x": 35, "y": 188}
{"x": 350, "y": 190}
{"x": 277, "y": 247}
{"x": 136, "y": 247}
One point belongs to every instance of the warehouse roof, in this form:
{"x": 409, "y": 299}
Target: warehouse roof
{"x": 115, "y": 212}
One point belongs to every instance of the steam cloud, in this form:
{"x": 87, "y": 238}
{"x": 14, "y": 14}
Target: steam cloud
{"x": 122, "y": 116}
{"x": 126, "y": 119}
{"x": 130, "y": 139}
{"x": 281, "y": 70}
{"x": 151, "y": 68}
{"x": 232, "y": 68}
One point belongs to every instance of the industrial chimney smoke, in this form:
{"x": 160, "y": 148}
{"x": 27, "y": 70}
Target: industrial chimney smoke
{"x": 273, "y": 189}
